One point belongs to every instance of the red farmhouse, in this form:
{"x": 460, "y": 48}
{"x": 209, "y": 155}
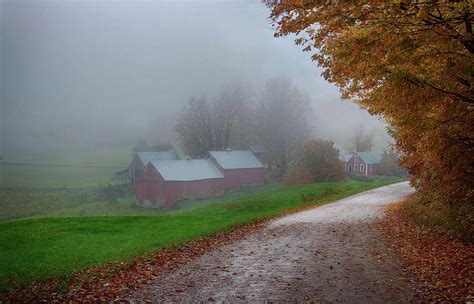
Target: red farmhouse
{"x": 364, "y": 163}
{"x": 165, "y": 182}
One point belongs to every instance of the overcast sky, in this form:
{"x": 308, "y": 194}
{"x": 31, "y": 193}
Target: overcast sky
{"x": 118, "y": 70}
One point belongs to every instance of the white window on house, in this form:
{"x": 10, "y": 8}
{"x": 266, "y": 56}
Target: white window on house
{"x": 356, "y": 158}
{"x": 356, "y": 167}
{"x": 362, "y": 169}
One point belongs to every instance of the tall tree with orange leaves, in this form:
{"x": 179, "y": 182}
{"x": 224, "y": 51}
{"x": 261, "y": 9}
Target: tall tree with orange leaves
{"x": 410, "y": 62}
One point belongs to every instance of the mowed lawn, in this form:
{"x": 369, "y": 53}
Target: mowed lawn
{"x": 36, "y": 249}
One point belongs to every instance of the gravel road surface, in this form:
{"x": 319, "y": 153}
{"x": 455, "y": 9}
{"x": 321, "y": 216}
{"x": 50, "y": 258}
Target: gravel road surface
{"x": 332, "y": 253}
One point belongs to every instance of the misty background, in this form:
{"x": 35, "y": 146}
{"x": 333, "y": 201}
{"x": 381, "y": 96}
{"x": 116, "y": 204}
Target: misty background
{"x": 82, "y": 75}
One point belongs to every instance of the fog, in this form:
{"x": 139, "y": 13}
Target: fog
{"x": 82, "y": 73}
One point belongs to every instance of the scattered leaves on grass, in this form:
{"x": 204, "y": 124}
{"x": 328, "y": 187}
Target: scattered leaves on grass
{"x": 442, "y": 267}
{"x": 114, "y": 281}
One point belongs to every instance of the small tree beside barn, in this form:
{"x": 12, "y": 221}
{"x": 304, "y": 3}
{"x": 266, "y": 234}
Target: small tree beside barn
{"x": 317, "y": 161}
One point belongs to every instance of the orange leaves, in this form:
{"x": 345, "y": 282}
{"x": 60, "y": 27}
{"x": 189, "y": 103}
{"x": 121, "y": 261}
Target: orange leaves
{"x": 410, "y": 62}
{"x": 316, "y": 161}
{"x": 115, "y": 280}
{"x": 442, "y": 267}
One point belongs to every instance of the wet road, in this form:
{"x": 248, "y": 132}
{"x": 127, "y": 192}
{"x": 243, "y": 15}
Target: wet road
{"x": 331, "y": 253}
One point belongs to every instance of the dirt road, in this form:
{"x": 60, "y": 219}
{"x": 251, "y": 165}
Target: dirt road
{"x": 332, "y": 253}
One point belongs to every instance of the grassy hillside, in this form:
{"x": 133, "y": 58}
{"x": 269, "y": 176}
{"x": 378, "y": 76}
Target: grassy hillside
{"x": 35, "y": 249}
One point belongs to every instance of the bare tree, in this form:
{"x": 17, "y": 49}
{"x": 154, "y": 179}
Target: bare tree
{"x": 361, "y": 139}
{"x": 230, "y": 110}
{"x": 282, "y": 119}
{"x": 211, "y": 125}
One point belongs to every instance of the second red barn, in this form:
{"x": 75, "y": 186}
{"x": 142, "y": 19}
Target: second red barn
{"x": 241, "y": 169}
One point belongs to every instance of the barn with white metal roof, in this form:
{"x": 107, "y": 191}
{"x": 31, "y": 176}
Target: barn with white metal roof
{"x": 241, "y": 169}
{"x": 165, "y": 182}
{"x": 141, "y": 159}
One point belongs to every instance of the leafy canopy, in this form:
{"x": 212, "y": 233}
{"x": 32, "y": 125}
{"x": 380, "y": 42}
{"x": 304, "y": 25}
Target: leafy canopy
{"x": 409, "y": 62}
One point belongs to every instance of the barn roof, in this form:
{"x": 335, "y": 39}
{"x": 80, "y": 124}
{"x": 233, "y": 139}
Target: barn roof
{"x": 371, "y": 158}
{"x": 257, "y": 149}
{"x": 187, "y": 170}
{"x": 345, "y": 157}
{"x": 146, "y": 157}
{"x": 236, "y": 159}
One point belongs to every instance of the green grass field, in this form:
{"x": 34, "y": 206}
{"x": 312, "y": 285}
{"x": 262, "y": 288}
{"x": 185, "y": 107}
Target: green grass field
{"x": 98, "y": 155}
{"x": 46, "y": 176}
{"x": 35, "y": 249}
{"x": 100, "y": 163}
{"x": 20, "y": 203}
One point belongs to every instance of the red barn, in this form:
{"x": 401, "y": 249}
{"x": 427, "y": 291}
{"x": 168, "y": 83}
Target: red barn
{"x": 165, "y": 182}
{"x": 141, "y": 159}
{"x": 241, "y": 169}
{"x": 364, "y": 163}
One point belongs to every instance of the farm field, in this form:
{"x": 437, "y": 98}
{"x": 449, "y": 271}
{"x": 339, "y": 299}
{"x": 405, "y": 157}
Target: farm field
{"x": 53, "y": 176}
{"x": 73, "y": 154}
{"x": 35, "y": 249}
{"x": 91, "y": 168}
{"x": 21, "y": 203}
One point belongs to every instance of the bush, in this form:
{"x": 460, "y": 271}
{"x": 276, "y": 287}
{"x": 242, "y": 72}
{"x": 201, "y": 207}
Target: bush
{"x": 317, "y": 161}
{"x": 459, "y": 222}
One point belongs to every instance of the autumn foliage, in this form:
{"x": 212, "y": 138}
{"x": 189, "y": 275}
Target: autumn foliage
{"x": 410, "y": 62}
{"x": 317, "y": 161}
{"x": 436, "y": 260}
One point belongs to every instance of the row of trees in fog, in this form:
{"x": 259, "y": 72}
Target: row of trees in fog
{"x": 277, "y": 117}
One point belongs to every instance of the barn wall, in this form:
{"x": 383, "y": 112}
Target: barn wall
{"x": 149, "y": 187}
{"x": 243, "y": 178}
{"x": 178, "y": 190}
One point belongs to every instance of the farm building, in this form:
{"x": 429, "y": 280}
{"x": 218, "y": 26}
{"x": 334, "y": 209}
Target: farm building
{"x": 169, "y": 181}
{"x": 166, "y": 182}
{"x": 141, "y": 159}
{"x": 260, "y": 152}
{"x": 345, "y": 159}
{"x": 364, "y": 163}
{"x": 241, "y": 169}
